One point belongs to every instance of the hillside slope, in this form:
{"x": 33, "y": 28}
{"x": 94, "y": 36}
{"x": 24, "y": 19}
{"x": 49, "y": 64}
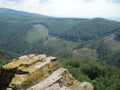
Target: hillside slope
{"x": 6, "y": 57}
{"x": 25, "y": 33}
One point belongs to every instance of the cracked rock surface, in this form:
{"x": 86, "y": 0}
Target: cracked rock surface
{"x": 39, "y": 72}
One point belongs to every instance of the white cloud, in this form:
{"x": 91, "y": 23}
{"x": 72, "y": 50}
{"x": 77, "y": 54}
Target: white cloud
{"x": 114, "y": 1}
{"x": 67, "y": 8}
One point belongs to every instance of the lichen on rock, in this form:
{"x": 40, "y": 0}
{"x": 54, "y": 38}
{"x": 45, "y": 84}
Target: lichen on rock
{"x": 39, "y": 72}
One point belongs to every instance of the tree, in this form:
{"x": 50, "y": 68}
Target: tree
{"x": 117, "y": 36}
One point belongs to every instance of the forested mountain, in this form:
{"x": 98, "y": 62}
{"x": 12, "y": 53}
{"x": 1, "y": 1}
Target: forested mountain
{"x": 90, "y": 29}
{"x": 95, "y": 42}
{"x": 23, "y": 33}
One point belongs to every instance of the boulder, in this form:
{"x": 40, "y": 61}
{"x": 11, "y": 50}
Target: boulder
{"x": 39, "y": 72}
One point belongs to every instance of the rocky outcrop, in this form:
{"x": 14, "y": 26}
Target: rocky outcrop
{"x": 39, "y": 72}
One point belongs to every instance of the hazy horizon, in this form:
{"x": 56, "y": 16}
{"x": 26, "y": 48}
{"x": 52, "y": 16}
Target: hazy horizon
{"x": 108, "y": 9}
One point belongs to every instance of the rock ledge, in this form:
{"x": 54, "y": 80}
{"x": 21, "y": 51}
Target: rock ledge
{"x": 39, "y": 72}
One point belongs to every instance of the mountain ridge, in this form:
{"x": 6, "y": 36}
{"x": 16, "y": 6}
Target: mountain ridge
{"x": 29, "y": 14}
{"x": 71, "y": 32}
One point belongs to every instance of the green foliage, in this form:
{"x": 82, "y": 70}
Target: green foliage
{"x": 37, "y": 33}
{"x": 92, "y": 72}
{"x": 17, "y": 32}
{"x": 40, "y": 49}
{"x": 5, "y": 57}
{"x": 102, "y": 75}
{"x": 102, "y": 50}
{"x": 65, "y": 54}
{"x": 107, "y": 55}
{"x": 89, "y": 30}
{"x": 117, "y": 35}
{"x": 114, "y": 59}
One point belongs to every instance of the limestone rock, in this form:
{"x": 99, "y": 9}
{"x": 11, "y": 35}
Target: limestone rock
{"x": 39, "y": 72}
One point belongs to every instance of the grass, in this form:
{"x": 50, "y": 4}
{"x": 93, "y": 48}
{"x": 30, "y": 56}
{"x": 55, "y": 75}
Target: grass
{"x": 112, "y": 43}
{"x": 86, "y": 52}
{"x": 60, "y": 44}
{"x": 37, "y": 33}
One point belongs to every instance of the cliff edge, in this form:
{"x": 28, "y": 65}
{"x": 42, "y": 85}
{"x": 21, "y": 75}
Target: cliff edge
{"x": 38, "y": 72}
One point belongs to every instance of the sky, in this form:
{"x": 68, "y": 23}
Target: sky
{"x": 109, "y": 9}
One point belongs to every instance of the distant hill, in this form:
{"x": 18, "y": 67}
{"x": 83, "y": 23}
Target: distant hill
{"x": 18, "y": 13}
{"x": 25, "y": 33}
{"x": 17, "y": 29}
{"x": 90, "y": 29}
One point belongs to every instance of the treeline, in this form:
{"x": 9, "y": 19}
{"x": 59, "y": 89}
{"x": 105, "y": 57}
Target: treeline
{"x": 6, "y": 57}
{"x": 117, "y": 35}
{"x": 89, "y": 30}
{"x": 105, "y": 54}
{"x": 101, "y": 75}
